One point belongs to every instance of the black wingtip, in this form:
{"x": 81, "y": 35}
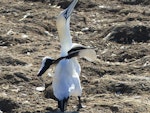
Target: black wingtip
{"x": 46, "y": 63}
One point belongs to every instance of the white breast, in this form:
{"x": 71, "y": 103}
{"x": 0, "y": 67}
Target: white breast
{"x": 66, "y": 81}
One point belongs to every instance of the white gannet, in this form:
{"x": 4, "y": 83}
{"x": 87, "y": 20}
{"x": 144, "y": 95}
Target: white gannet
{"x": 73, "y": 78}
{"x": 66, "y": 81}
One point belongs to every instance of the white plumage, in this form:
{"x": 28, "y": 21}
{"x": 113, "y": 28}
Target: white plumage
{"x": 66, "y": 81}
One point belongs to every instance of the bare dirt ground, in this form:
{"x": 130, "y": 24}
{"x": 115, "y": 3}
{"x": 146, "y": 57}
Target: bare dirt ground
{"x": 119, "y": 82}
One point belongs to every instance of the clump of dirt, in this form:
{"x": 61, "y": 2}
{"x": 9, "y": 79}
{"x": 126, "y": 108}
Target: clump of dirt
{"x": 64, "y": 4}
{"x": 129, "y": 56}
{"x": 136, "y": 2}
{"x": 28, "y": 50}
{"x": 8, "y": 105}
{"x": 128, "y": 89}
{"x": 128, "y": 35}
{"x": 11, "y": 41}
{"x": 16, "y": 78}
{"x": 48, "y": 93}
{"x": 8, "y": 60}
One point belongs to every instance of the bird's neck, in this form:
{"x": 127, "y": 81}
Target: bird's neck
{"x": 65, "y": 40}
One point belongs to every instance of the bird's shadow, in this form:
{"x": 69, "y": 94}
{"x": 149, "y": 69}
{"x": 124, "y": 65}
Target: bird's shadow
{"x": 51, "y": 110}
{"x": 64, "y": 112}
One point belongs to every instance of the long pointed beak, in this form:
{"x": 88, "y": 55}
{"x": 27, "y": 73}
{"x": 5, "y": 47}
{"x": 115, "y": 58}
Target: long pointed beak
{"x": 70, "y": 8}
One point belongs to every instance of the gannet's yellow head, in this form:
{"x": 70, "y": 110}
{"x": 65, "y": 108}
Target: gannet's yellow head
{"x": 65, "y": 15}
{"x": 63, "y": 27}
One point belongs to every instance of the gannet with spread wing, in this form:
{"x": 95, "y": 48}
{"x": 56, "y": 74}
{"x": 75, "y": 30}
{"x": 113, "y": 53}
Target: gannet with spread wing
{"x": 66, "y": 81}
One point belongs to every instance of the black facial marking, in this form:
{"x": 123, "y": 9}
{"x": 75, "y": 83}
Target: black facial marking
{"x": 65, "y": 14}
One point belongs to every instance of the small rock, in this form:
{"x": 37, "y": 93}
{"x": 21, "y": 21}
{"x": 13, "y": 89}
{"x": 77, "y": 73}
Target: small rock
{"x": 10, "y": 32}
{"x": 85, "y": 29}
{"x": 24, "y": 36}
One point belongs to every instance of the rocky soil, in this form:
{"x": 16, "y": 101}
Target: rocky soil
{"x": 118, "y": 82}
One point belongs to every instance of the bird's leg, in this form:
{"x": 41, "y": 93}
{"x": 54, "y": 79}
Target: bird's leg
{"x": 59, "y": 104}
{"x": 66, "y": 103}
{"x": 62, "y": 104}
{"x": 80, "y": 103}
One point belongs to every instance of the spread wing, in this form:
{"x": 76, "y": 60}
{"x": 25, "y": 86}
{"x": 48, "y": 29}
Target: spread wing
{"x": 82, "y": 51}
